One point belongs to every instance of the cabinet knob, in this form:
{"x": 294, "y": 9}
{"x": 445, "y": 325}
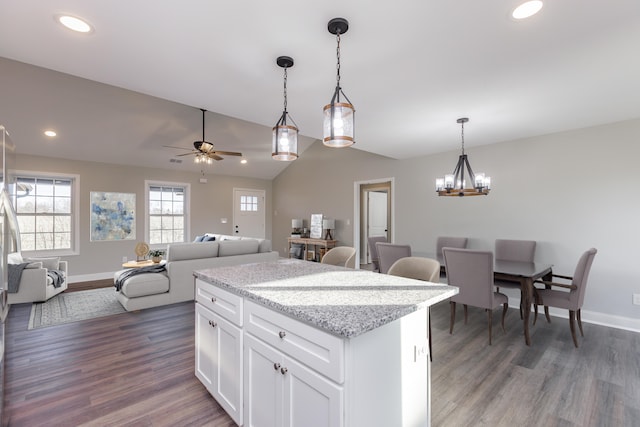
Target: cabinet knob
{"x": 282, "y": 334}
{"x": 213, "y": 299}
{"x": 212, "y": 323}
{"x": 276, "y": 366}
{"x": 283, "y": 370}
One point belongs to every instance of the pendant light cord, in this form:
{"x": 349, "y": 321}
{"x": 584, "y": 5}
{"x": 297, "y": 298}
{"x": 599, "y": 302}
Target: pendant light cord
{"x": 285, "y": 89}
{"x": 338, "y": 59}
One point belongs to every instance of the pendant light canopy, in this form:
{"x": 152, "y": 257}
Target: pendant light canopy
{"x": 285, "y": 132}
{"x": 454, "y": 184}
{"x": 339, "y": 115}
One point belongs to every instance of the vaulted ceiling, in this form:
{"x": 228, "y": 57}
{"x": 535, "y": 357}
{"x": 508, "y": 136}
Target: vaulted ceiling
{"x": 136, "y": 83}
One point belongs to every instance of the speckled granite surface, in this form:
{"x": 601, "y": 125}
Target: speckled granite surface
{"x": 342, "y": 301}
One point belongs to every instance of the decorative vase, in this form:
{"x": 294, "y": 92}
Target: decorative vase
{"x": 156, "y": 259}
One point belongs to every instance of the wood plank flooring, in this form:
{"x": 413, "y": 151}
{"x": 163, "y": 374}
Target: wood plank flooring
{"x": 137, "y": 369}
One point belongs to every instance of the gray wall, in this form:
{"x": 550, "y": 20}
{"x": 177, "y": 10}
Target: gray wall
{"x": 568, "y": 191}
{"x": 209, "y": 203}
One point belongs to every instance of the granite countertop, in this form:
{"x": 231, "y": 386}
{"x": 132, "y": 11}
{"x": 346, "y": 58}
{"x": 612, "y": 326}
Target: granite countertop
{"x": 342, "y": 301}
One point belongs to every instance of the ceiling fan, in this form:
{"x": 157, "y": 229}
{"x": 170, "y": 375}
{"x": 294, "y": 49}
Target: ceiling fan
{"x": 204, "y": 150}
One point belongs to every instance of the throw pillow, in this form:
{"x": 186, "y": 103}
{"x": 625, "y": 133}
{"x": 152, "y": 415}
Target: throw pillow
{"x": 48, "y": 263}
{"x": 198, "y": 239}
{"x": 209, "y": 238}
{"x": 14, "y": 258}
{"x": 34, "y": 265}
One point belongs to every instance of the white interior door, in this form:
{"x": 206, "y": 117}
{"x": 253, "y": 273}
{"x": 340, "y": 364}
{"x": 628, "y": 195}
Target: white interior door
{"x": 377, "y": 211}
{"x": 249, "y": 216}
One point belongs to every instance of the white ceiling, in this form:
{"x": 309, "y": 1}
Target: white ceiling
{"x": 410, "y": 68}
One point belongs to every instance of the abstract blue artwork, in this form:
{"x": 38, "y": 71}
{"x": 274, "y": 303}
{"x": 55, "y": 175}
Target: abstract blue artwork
{"x": 112, "y": 216}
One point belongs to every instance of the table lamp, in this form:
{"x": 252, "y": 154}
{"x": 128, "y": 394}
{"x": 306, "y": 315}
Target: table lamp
{"x": 328, "y": 224}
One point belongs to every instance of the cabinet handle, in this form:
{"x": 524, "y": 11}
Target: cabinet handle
{"x": 212, "y": 323}
{"x": 283, "y": 370}
{"x": 276, "y": 366}
{"x": 282, "y": 334}
{"x": 213, "y": 299}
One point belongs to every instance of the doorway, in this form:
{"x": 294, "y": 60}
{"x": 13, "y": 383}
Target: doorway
{"x": 374, "y": 213}
{"x": 249, "y": 213}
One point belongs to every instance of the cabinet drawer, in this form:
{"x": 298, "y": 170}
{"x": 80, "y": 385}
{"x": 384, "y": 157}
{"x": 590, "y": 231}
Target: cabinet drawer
{"x": 219, "y": 301}
{"x": 313, "y": 347}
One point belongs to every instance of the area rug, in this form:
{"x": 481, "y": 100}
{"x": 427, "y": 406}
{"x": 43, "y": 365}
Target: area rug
{"x": 70, "y": 307}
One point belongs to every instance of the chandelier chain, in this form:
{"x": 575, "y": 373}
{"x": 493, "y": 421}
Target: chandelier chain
{"x": 338, "y": 59}
{"x": 285, "y": 89}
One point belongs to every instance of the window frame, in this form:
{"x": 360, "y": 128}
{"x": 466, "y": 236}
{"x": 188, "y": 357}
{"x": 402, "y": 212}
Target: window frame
{"x": 187, "y": 211}
{"x": 75, "y": 212}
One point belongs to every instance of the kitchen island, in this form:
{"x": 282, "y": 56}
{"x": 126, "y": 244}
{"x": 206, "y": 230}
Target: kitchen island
{"x": 294, "y": 343}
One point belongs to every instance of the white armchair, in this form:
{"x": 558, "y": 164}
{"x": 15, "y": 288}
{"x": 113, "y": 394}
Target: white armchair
{"x": 35, "y": 284}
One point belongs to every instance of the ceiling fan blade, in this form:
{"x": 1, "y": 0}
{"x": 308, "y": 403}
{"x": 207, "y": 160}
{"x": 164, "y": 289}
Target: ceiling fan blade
{"x": 215, "y": 156}
{"x": 227, "y": 153}
{"x": 181, "y": 148}
{"x": 186, "y": 154}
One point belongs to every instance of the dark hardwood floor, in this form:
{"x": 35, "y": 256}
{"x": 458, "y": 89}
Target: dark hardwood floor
{"x": 137, "y": 369}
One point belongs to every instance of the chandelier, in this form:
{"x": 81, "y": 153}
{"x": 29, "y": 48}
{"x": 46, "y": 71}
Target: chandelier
{"x": 285, "y": 136}
{"x": 339, "y": 117}
{"x": 455, "y": 184}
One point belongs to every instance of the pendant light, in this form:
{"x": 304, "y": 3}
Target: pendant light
{"x": 285, "y": 135}
{"x": 339, "y": 116}
{"x": 454, "y": 184}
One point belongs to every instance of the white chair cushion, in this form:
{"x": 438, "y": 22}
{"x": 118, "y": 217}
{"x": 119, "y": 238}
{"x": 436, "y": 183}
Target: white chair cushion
{"x": 145, "y": 284}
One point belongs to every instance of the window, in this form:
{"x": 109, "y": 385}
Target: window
{"x": 248, "y": 203}
{"x": 46, "y": 210}
{"x": 167, "y": 213}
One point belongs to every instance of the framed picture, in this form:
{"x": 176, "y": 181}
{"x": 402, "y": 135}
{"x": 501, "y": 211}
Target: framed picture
{"x": 112, "y": 216}
{"x": 316, "y": 226}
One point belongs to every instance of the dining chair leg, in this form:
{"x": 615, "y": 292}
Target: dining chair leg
{"x": 452, "y": 320}
{"x": 465, "y": 313}
{"x": 490, "y": 313}
{"x": 572, "y": 325}
{"x": 505, "y": 307}
{"x": 579, "y": 313}
{"x": 546, "y": 313}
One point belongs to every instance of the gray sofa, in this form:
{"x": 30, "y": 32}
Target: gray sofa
{"x": 177, "y": 284}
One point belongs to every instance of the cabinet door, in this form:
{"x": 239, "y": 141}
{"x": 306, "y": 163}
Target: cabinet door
{"x": 263, "y": 384}
{"x": 309, "y": 399}
{"x": 219, "y": 360}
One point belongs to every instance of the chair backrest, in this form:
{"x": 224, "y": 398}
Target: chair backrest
{"x": 373, "y": 251}
{"x": 388, "y": 253}
{"x": 580, "y": 277}
{"x": 515, "y": 250}
{"x": 418, "y": 268}
{"x": 472, "y": 272}
{"x": 344, "y": 256}
{"x": 450, "y": 242}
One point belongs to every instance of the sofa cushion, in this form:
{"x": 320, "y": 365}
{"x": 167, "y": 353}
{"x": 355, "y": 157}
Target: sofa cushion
{"x": 48, "y": 263}
{"x": 145, "y": 284}
{"x": 182, "y": 251}
{"x": 238, "y": 247}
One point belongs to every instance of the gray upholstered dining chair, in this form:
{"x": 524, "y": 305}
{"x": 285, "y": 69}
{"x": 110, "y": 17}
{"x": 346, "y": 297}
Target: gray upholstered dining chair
{"x": 344, "y": 256}
{"x": 388, "y": 253}
{"x": 449, "y": 242}
{"x": 418, "y": 268}
{"x": 472, "y": 272}
{"x": 373, "y": 250}
{"x": 514, "y": 250}
{"x": 572, "y": 299}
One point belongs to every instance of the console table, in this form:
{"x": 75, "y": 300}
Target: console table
{"x": 323, "y": 244}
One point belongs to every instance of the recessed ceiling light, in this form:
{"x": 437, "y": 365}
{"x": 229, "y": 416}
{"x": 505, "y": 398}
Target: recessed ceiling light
{"x": 50, "y": 133}
{"x": 74, "y": 23}
{"x": 527, "y": 9}
{"x": 243, "y": 161}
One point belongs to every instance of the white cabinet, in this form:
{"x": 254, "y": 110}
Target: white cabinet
{"x": 282, "y": 392}
{"x": 218, "y": 346}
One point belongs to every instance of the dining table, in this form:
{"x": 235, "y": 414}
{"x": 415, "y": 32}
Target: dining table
{"x": 524, "y": 273}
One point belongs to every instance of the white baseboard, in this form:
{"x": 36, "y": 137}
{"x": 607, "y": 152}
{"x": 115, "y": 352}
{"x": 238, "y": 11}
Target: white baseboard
{"x": 594, "y": 317}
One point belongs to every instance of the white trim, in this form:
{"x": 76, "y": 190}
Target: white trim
{"x": 90, "y": 277}
{"x": 187, "y": 207}
{"x": 75, "y": 214}
{"x": 356, "y": 211}
{"x": 594, "y": 317}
